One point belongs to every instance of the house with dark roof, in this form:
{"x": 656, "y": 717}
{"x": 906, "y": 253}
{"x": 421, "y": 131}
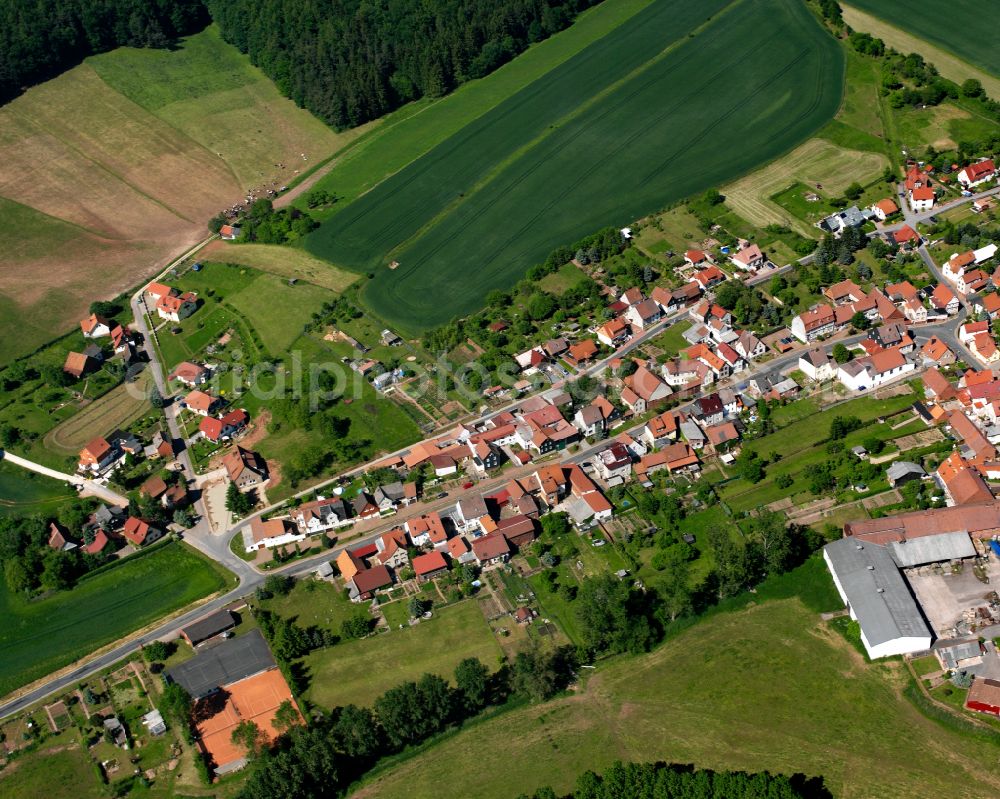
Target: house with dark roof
{"x": 366, "y": 582}
{"x": 209, "y": 627}
{"x": 491, "y": 549}
{"x": 245, "y": 467}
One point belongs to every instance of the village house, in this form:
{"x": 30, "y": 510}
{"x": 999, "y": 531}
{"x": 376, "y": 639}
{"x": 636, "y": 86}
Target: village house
{"x": 426, "y": 530}
{"x": 937, "y": 387}
{"x": 662, "y": 429}
{"x": 674, "y": 458}
{"x": 429, "y": 565}
{"x": 845, "y": 291}
{"x": 582, "y": 351}
{"x": 596, "y": 418}
{"x": 817, "y": 365}
{"x": 139, "y": 532}
{"x": 58, "y": 540}
{"x": 982, "y": 204}
{"x": 226, "y": 427}
{"x": 723, "y": 436}
{"x": 643, "y": 314}
{"x": 614, "y": 464}
{"x": 961, "y": 482}
{"x": 884, "y": 209}
{"x": 991, "y": 304}
{"x": 79, "y": 364}
{"x": 906, "y": 237}
{"x": 839, "y": 221}
{"x": 320, "y": 515}
{"x": 95, "y": 326}
{"x": 921, "y": 199}
{"x": 491, "y": 550}
{"x": 175, "y": 307}
{"x": 749, "y": 346}
{"x": 364, "y": 584}
{"x": 670, "y": 301}
{"x": 190, "y": 374}
{"x": 244, "y": 467}
{"x": 696, "y": 258}
{"x": 708, "y": 277}
{"x": 977, "y": 174}
{"x": 644, "y": 390}
{"x": 814, "y": 323}
{"x": 271, "y": 533}
{"x": 199, "y": 402}
{"x": 390, "y": 549}
{"x": 914, "y": 310}
{"x": 972, "y": 281}
{"x": 872, "y": 371}
{"x": 97, "y": 456}
{"x": 944, "y": 299}
{"x": 229, "y": 232}
{"x": 613, "y": 333}
{"x": 937, "y": 352}
{"x": 750, "y": 258}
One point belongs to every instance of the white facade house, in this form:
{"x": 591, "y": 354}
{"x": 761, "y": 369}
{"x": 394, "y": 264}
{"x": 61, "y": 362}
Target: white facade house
{"x": 817, "y": 365}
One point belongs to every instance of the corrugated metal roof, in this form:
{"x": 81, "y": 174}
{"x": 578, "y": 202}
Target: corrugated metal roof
{"x": 932, "y": 549}
{"x": 879, "y": 596}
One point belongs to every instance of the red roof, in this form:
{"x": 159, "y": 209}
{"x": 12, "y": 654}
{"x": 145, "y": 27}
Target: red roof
{"x": 368, "y": 580}
{"x": 922, "y": 193}
{"x": 905, "y": 234}
{"x": 429, "y": 563}
{"x": 99, "y": 542}
{"x": 135, "y": 530}
{"x": 980, "y": 170}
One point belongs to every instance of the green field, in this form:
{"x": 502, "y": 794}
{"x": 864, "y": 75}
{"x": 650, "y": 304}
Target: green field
{"x": 360, "y": 671}
{"x": 54, "y": 771}
{"x": 41, "y": 636}
{"x": 676, "y": 99}
{"x": 25, "y": 493}
{"x": 949, "y": 25}
{"x": 769, "y": 687}
{"x": 278, "y": 311}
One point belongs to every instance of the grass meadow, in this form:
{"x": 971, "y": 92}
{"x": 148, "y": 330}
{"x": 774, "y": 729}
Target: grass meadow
{"x": 360, "y": 671}
{"x": 768, "y": 686}
{"x": 43, "y": 635}
{"x": 25, "y": 493}
{"x": 55, "y": 771}
{"x": 628, "y": 124}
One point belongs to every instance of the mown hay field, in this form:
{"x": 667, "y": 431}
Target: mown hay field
{"x": 45, "y": 634}
{"x": 769, "y": 687}
{"x": 114, "y": 167}
{"x": 677, "y": 99}
{"x": 815, "y": 162}
{"x": 957, "y": 26}
{"x": 115, "y": 410}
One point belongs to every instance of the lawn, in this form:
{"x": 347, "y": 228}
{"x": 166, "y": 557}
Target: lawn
{"x": 729, "y": 693}
{"x": 44, "y": 635}
{"x": 944, "y": 25}
{"x": 25, "y": 493}
{"x": 671, "y": 341}
{"x": 360, "y": 671}
{"x": 605, "y": 138}
{"x": 277, "y": 310}
{"x": 315, "y": 603}
{"x": 287, "y": 262}
{"x": 64, "y": 770}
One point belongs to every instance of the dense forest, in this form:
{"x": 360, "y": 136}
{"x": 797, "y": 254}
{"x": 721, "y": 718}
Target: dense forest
{"x": 41, "y": 38}
{"x": 350, "y": 61}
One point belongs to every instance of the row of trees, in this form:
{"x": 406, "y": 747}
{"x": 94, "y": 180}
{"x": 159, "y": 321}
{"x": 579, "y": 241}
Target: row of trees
{"x": 670, "y": 781}
{"x": 350, "y": 62}
{"x": 320, "y": 759}
{"x": 41, "y": 38}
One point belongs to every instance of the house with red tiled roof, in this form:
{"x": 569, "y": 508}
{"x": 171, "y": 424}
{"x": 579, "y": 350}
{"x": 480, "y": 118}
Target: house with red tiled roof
{"x": 944, "y": 299}
{"x": 673, "y": 458}
{"x": 708, "y": 277}
{"x": 97, "y": 455}
{"x": 58, "y": 540}
{"x": 937, "y": 352}
{"x": 906, "y": 236}
{"x": 158, "y": 290}
{"x": 978, "y": 173}
{"x": 645, "y": 389}
{"x": 199, "y": 402}
{"x": 364, "y": 584}
{"x": 921, "y": 198}
{"x": 95, "y": 326}
{"x": 245, "y": 467}
{"x": 229, "y": 232}
{"x": 696, "y": 258}
{"x": 915, "y": 178}
{"x": 491, "y": 549}
{"x": 814, "y": 323}
{"x": 97, "y": 543}
{"x": 901, "y": 292}
{"x": 78, "y": 364}
{"x": 582, "y": 351}
{"x": 670, "y": 301}
{"x": 190, "y": 374}
{"x": 140, "y": 532}
{"x": 175, "y": 307}
{"x": 973, "y": 280}
{"x": 884, "y": 209}
{"x": 227, "y": 426}
{"x": 962, "y": 483}
{"x": 750, "y": 258}
{"x": 991, "y": 304}
{"x": 429, "y": 565}
{"x": 613, "y": 333}
{"x": 846, "y": 291}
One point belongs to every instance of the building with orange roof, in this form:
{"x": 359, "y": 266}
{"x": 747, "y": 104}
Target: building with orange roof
{"x": 427, "y": 528}
{"x": 937, "y": 386}
{"x": 429, "y": 565}
{"x": 883, "y": 209}
{"x": 175, "y": 307}
{"x": 906, "y": 236}
{"x": 613, "y": 333}
{"x": 816, "y": 322}
{"x": 95, "y": 326}
{"x": 962, "y": 483}
{"x": 199, "y": 402}
{"x": 937, "y": 352}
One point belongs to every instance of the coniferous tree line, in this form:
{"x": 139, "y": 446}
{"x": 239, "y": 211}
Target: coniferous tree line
{"x": 41, "y": 38}
{"x": 349, "y": 61}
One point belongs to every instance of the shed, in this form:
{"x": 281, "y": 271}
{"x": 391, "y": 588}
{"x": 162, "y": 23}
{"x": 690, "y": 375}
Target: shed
{"x": 208, "y": 627}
